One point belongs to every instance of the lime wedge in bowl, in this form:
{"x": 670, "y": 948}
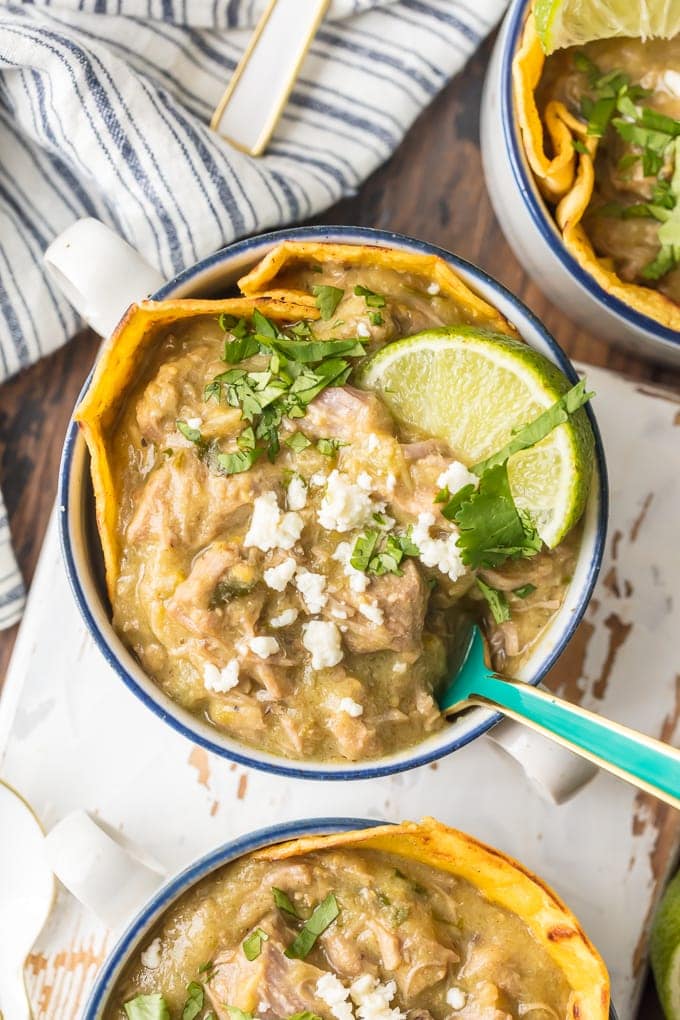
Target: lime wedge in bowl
{"x": 664, "y": 950}
{"x": 563, "y": 23}
{"x": 475, "y": 389}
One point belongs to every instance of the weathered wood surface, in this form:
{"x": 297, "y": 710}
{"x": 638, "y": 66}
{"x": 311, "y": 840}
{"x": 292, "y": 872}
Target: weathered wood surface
{"x": 433, "y": 188}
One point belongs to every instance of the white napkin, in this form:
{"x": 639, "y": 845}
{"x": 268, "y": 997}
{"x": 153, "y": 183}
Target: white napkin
{"x": 104, "y": 111}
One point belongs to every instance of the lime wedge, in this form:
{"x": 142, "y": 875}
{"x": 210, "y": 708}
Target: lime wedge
{"x": 563, "y": 23}
{"x": 473, "y": 388}
{"x": 664, "y": 950}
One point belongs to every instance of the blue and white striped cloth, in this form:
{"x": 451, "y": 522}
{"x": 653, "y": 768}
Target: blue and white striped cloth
{"x": 104, "y": 111}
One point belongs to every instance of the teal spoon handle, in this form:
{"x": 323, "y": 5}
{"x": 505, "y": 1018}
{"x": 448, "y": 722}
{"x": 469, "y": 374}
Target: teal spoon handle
{"x": 635, "y": 757}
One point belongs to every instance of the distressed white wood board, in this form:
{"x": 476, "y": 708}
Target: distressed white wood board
{"x": 73, "y": 736}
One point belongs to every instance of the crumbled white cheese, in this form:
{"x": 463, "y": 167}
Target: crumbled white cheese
{"x": 151, "y": 956}
{"x": 442, "y": 553}
{"x": 345, "y": 505}
{"x": 364, "y": 481}
{"x": 372, "y": 443}
{"x": 312, "y": 587}
{"x": 390, "y": 482}
{"x": 278, "y": 577}
{"x": 263, "y": 646}
{"x": 668, "y": 81}
{"x": 322, "y": 639}
{"x": 362, "y": 328}
{"x": 220, "y": 680}
{"x": 264, "y": 696}
{"x": 285, "y": 618}
{"x": 399, "y": 667}
{"x": 318, "y": 478}
{"x": 433, "y": 288}
{"x": 372, "y": 612}
{"x": 350, "y": 707}
{"x": 455, "y": 997}
{"x": 455, "y": 477}
{"x": 296, "y": 497}
{"x": 194, "y": 423}
{"x": 331, "y": 990}
{"x": 373, "y": 999}
{"x": 339, "y": 613}
{"x": 270, "y": 528}
{"x": 358, "y": 581}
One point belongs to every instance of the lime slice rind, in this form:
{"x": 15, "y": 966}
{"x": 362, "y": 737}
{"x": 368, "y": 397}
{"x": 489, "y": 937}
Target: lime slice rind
{"x": 664, "y": 950}
{"x": 473, "y": 388}
{"x": 562, "y": 23}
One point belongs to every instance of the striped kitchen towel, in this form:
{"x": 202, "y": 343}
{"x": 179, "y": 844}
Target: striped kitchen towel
{"x": 104, "y": 111}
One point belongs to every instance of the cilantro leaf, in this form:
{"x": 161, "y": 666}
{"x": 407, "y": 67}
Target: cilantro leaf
{"x": 252, "y": 945}
{"x": 264, "y": 326}
{"x": 496, "y": 600}
{"x": 284, "y": 902}
{"x": 238, "y": 1014}
{"x": 329, "y": 447}
{"x": 375, "y": 318}
{"x": 321, "y": 918}
{"x": 189, "y": 432}
{"x": 376, "y": 553}
{"x": 373, "y": 300}
{"x": 237, "y": 350}
{"x": 298, "y": 441}
{"x": 306, "y": 351}
{"x": 491, "y": 528}
{"x": 237, "y": 463}
{"x": 524, "y": 590}
{"x": 147, "y": 1007}
{"x": 363, "y": 550}
{"x": 194, "y": 1001}
{"x": 327, "y": 299}
{"x": 539, "y": 428}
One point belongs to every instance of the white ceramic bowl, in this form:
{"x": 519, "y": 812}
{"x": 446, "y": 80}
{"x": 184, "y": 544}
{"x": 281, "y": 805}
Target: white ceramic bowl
{"x": 215, "y": 276}
{"x": 529, "y": 226}
{"x": 136, "y": 936}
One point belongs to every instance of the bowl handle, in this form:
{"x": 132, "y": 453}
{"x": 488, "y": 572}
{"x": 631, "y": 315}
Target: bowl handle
{"x": 99, "y": 273}
{"x": 106, "y": 872}
{"x": 556, "y": 773}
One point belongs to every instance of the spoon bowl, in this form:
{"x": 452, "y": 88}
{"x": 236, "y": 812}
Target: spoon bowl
{"x": 643, "y": 761}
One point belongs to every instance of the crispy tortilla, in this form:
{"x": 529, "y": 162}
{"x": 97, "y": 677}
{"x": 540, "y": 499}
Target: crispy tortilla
{"x": 566, "y": 178}
{"x": 116, "y": 369}
{"x": 502, "y": 881}
{"x": 260, "y": 279}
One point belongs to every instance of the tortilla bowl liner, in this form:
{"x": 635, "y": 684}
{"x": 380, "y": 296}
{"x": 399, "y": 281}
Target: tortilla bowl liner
{"x": 117, "y": 368}
{"x": 567, "y": 178}
{"x": 502, "y": 881}
{"x": 285, "y": 255}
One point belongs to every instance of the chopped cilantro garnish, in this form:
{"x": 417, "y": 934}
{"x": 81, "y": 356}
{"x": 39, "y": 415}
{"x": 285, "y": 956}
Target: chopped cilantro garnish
{"x": 207, "y": 968}
{"x": 194, "y": 1001}
{"x": 375, "y": 318}
{"x": 284, "y": 902}
{"x": 327, "y": 299}
{"x": 373, "y": 300}
{"x": 264, "y": 326}
{"x": 147, "y": 1007}
{"x": 539, "y": 428}
{"x": 307, "y": 351}
{"x": 321, "y": 918}
{"x": 189, "y": 432}
{"x": 238, "y": 462}
{"x": 580, "y": 146}
{"x": 298, "y": 441}
{"x": 237, "y": 350}
{"x": 329, "y": 447}
{"x": 252, "y": 945}
{"x": 305, "y": 1015}
{"x": 524, "y": 590}
{"x": 376, "y": 553}
{"x": 496, "y": 600}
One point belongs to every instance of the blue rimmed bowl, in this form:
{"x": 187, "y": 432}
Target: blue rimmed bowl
{"x": 214, "y": 276}
{"x": 529, "y": 225}
{"x": 137, "y": 933}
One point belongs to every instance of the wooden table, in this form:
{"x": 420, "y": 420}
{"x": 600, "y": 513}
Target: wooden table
{"x": 440, "y": 198}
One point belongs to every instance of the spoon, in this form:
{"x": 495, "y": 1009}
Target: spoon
{"x": 646, "y": 763}
{"x": 26, "y": 896}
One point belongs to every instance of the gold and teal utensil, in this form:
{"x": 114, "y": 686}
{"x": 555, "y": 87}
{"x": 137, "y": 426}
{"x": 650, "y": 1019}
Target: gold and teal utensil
{"x": 646, "y": 763}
